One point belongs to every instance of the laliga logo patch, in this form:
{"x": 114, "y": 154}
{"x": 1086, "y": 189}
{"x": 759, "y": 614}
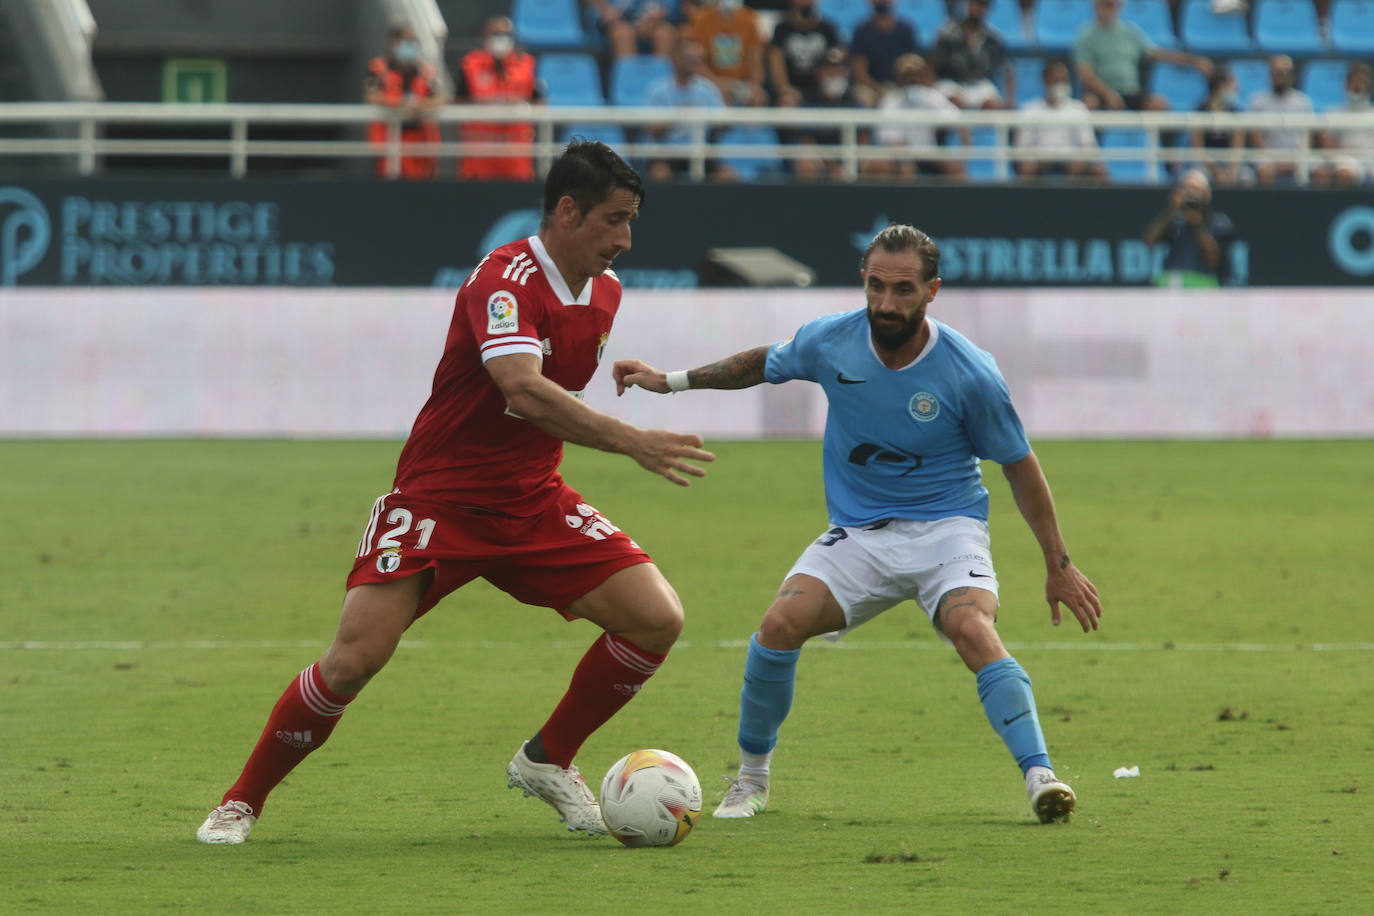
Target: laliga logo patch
{"x": 501, "y": 313}
{"x": 389, "y": 560}
{"x": 924, "y": 407}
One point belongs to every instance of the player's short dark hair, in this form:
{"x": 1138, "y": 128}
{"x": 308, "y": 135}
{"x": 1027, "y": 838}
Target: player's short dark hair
{"x": 899, "y": 237}
{"x": 588, "y": 171}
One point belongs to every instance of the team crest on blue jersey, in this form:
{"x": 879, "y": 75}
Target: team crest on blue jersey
{"x": 389, "y": 560}
{"x": 923, "y": 406}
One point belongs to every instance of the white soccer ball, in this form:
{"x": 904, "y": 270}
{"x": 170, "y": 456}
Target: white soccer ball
{"x": 650, "y": 798}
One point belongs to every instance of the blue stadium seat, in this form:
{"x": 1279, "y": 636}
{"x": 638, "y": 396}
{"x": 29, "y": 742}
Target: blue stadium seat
{"x": 1209, "y": 33}
{"x": 928, "y": 15}
{"x": 1058, "y": 22}
{"x": 1155, "y": 20}
{"x": 543, "y": 25}
{"x": 570, "y": 79}
{"x": 1324, "y": 83}
{"x": 1251, "y": 76}
{"x": 1352, "y": 26}
{"x": 613, "y": 135}
{"x": 1005, "y": 17}
{"x": 1030, "y": 84}
{"x": 1126, "y": 171}
{"x": 751, "y": 168}
{"x": 631, "y": 76}
{"x": 986, "y": 169}
{"x": 1184, "y": 87}
{"x": 846, "y": 15}
{"x": 1288, "y": 27}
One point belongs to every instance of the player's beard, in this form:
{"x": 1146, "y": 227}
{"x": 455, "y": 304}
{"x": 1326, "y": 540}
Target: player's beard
{"x": 890, "y": 335}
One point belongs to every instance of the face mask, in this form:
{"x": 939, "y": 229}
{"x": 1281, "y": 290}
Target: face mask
{"x": 1357, "y": 99}
{"x": 408, "y": 52}
{"x": 834, "y": 86}
{"x": 729, "y": 6}
{"x": 1229, "y": 98}
{"x": 500, "y": 45}
{"x": 1059, "y": 92}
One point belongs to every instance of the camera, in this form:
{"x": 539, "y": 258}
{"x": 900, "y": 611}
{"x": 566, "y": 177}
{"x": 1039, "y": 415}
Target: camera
{"x": 1191, "y": 203}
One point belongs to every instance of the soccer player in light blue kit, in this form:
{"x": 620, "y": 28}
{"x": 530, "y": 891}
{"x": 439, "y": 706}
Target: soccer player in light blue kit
{"x": 913, "y": 407}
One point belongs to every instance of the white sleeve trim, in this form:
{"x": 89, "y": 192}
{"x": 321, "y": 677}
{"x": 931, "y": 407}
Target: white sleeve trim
{"x": 507, "y": 347}
{"x": 505, "y": 341}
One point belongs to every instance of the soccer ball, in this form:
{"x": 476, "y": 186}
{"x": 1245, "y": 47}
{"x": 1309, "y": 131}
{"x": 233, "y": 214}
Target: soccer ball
{"x": 650, "y": 798}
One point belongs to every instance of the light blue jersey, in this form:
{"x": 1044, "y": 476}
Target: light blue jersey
{"x": 903, "y": 443}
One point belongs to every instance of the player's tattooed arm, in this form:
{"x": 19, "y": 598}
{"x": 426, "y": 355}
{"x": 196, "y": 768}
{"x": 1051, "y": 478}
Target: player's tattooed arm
{"x": 743, "y": 370}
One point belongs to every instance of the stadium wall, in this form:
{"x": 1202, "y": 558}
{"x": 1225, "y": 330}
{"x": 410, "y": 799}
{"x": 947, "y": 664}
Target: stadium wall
{"x": 358, "y": 362}
{"x": 105, "y": 232}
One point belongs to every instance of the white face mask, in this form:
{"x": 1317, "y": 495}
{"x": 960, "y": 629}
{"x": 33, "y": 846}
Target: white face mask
{"x": 1357, "y": 99}
{"x": 729, "y": 6}
{"x": 1058, "y": 93}
{"x": 500, "y": 45}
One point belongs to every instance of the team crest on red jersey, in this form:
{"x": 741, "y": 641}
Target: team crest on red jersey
{"x": 389, "y": 560}
{"x": 501, "y": 313}
{"x": 601, "y": 347}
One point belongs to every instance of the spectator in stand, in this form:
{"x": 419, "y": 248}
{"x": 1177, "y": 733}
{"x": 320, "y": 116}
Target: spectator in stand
{"x": 834, "y": 89}
{"x": 968, "y": 56}
{"x": 1353, "y": 161}
{"x": 1109, "y": 56}
{"x": 687, "y": 87}
{"x": 1057, "y": 121}
{"x": 878, "y": 43}
{"x": 914, "y": 90}
{"x": 636, "y": 26}
{"x": 729, "y": 31}
{"x": 1282, "y": 98}
{"x": 799, "y": 42}
{"x": 1197, "y": 238}
{"x": 400, "y": 79}
{"x": 497, "y": 74}
{"x": 1222, "y": 90}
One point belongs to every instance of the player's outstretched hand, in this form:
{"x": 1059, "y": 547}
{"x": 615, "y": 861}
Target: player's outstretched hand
{"x": 664, "y": 452}
{"x": 1072, "y": 588}
{"x": 631, "y": 372}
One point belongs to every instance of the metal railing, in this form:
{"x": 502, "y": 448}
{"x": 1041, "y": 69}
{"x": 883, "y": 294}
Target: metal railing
{"x": 551, "y": 124}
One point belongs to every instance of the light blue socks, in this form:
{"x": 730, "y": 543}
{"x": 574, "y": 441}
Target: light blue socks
{"x": 770, "y": 677}
{"x": 1005, "y": 691}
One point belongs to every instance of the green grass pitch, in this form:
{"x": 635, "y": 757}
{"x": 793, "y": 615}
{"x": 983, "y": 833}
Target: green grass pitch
{"x": 157, "y": 596}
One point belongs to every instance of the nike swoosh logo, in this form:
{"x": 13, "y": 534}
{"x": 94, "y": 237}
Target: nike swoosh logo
{"x": 839, "y": 377}
{"x": 1015, "y": 717}
{"x": 980, "y": 575}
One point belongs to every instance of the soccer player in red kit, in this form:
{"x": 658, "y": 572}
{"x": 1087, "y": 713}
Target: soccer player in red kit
{"x": 478, "y": 493}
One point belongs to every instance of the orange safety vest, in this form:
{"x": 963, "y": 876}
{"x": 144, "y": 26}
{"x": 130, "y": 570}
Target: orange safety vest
{"x": 394, "y": 91}
{"x": 514, "y": 81}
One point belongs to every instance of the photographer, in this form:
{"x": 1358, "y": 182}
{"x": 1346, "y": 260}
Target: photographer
{"x": 1196, "y": 235}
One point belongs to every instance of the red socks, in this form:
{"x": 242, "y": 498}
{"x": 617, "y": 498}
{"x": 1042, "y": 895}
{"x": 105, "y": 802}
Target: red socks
{"x": 607, "y": 678}
{"x": 300, "y": 722}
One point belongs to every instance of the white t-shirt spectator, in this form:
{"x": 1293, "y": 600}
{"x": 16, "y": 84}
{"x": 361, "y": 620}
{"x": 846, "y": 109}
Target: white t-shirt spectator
{"x": 1291, "y": 102}
{"x": 1055, "y": 126}
{"x": 911, "y": 98}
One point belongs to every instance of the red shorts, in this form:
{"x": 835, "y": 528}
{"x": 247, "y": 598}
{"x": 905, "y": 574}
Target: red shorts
{"x": 548, "y": 560}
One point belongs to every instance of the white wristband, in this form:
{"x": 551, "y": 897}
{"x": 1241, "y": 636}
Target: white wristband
{"x": 677, "y": 381}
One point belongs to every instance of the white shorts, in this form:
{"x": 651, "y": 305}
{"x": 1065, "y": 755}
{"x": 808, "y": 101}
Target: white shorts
{"x": 970, "y": 95}
{"x": 875, "y": 567}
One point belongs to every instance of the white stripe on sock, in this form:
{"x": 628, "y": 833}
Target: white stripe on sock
{"x": 315, "y": 699}
{"x": 625, "y": 653}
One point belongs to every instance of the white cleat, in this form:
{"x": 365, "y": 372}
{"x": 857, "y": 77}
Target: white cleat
{"x": 227, "y": 824}
{"x": 565, "y": 790}
{"x": 1051, "y": 799}
{"x": 744, "y": 798}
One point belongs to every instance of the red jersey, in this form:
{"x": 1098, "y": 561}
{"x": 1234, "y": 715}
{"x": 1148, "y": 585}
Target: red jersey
{"x": 466, "y": 447}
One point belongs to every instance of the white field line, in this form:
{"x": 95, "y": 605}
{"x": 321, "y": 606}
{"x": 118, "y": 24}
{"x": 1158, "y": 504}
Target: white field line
{"x": 857, "y": 645}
